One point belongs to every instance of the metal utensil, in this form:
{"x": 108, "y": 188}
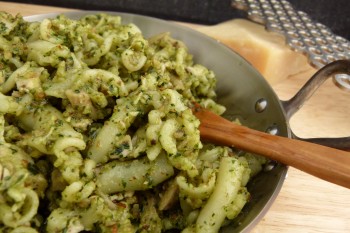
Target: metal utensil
{"x": 302, "y": 34}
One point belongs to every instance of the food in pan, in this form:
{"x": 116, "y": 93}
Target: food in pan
{"x": 97, "y": 134}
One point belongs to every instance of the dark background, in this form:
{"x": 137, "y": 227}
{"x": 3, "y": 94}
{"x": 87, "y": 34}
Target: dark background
{"x": 333, "y": 13}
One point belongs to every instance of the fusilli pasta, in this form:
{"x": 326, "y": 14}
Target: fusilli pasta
{"x": 97, "y": 134}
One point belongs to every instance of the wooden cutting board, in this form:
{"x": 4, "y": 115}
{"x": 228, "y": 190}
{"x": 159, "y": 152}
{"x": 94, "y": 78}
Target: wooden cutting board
{"x": 305, "y": 203}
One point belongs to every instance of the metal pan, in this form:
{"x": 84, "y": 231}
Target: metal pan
{"x": 247, "y": 96}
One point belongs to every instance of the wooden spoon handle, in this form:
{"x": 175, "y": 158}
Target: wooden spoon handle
{"x": 327, "y": 163}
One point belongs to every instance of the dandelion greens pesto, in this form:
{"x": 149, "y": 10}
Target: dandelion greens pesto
{"x": 97, "y": 134}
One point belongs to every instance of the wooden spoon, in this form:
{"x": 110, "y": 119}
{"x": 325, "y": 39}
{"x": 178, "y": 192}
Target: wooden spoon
{"x": 327, "y": 163}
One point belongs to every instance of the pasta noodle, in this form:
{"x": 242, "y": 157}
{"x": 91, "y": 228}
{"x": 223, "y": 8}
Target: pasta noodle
{"x": 229, "y": 181}
{"x": 97, "y": 133}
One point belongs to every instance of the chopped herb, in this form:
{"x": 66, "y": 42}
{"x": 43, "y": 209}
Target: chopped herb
{"x": 33, "y": 168}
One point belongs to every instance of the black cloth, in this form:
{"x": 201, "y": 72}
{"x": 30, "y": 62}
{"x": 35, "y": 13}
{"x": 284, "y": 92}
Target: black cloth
{"x": 334, "y": 14}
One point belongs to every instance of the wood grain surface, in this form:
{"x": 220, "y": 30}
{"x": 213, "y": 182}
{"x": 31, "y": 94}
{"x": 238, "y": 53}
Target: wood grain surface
{"x": 305, "y": 203}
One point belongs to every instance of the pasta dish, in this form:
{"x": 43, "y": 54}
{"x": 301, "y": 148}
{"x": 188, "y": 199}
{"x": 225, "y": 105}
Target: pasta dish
{"x": 97, "y": 132}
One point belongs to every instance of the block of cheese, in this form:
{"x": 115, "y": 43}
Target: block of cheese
{"x": 266, "y": 51}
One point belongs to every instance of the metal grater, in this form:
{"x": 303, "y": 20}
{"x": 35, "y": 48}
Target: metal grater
{"x": 302, "y": 34}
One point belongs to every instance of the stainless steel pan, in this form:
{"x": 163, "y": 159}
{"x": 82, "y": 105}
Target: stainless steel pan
{"x": 247, "y": 95}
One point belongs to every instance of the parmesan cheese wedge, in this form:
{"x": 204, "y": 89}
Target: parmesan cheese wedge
{"x": 266, "y": 51}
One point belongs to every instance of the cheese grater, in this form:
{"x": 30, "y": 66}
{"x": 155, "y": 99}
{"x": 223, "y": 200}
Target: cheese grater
{"x": 301, "y": 33}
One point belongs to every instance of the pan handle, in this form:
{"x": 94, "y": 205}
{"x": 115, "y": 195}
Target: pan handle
{"x": 292, "y": 105}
